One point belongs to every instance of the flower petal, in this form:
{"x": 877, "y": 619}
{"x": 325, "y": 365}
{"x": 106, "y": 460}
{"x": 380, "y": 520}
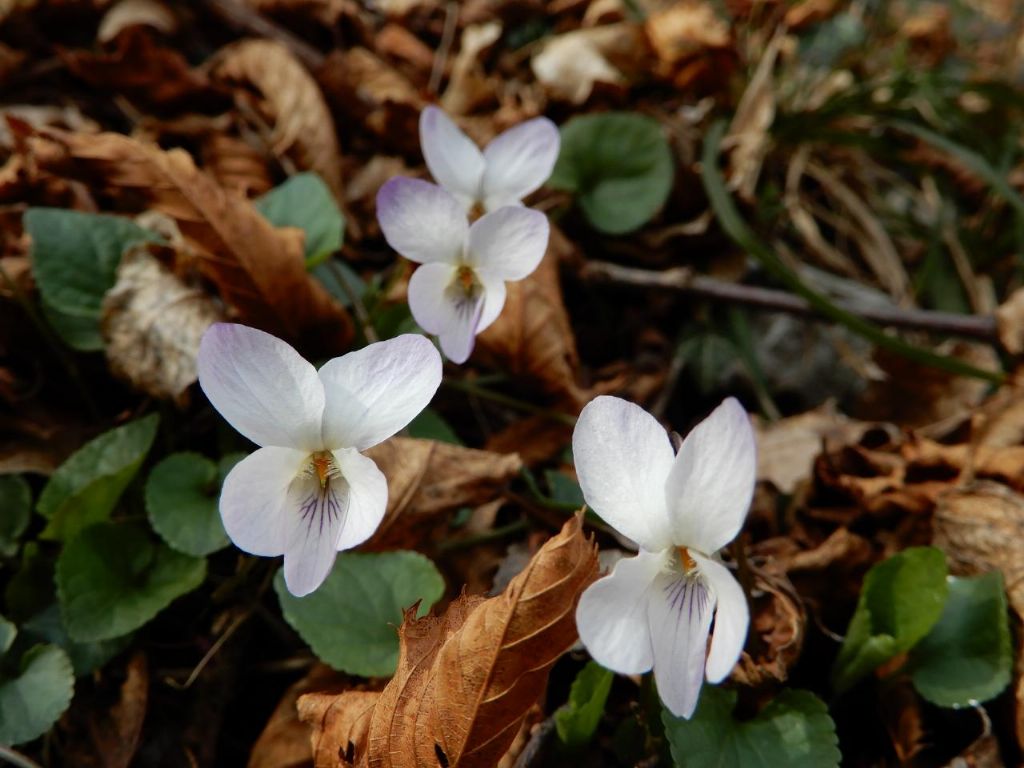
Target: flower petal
{"x": 455, "y": 162}
{"x": 421, "y": 221}
{"x": 732, "y": 617}
{"x": 623, "y": 457}
{"x": 494, "y": 298}
{"x": 612, "y": 615}
{"x": 261, "y": 386}
{"x": 712, "y": 480}
{"x": 253, "y": 499}
{"x": 368, "y": 497}
{"x": 316, "y": 514}
{"x": 679, "y": 611}
{"x": 375, "y": 391}
{"x": 519, "y": 161}
{"x": 509, "y": 242}
{"x": 436, "y": 307}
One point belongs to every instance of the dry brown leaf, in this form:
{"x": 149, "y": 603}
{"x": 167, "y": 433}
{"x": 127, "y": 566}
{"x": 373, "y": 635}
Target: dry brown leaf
{"x": 302, "y": 126}
{"x": 235, "y": 164}
{"x": 692, "y": 42}
{"x": 108, "y": 737}
{"x": 259, "y": 271}
{"x": 571, "y": 64}
{"x": 786, "y": 448}
{"x": 1010, "y": 321}
{"x": 152, "y": 323}
{"x": 777, "y": 629}
{"x": 468, "y": 87}
{"x": 536, "y": 439}
{"x": 748, "y": 139}
{"x": 340, "y": 724}
{"x": 146, "y": 72}
{"x": 284, "y": 741}
{"x": 466, "y": 680}
{"x": 427, "y": 478}
{"x": 532, "y": 338}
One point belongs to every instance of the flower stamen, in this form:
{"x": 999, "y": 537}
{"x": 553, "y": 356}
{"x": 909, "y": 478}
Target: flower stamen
{"x": 688, "y": 563}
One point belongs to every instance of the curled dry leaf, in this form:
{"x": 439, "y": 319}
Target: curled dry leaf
{"x": 532, "y": 338}
{"x": 427, "y": 478}
{"x": 259, "y": 271}
{"x": 468, "y": 86}
{"x": 152, "y": 323}
{"x": 692, "y": 43}
{"x": 466, "y": 680}
{"x": 235, "y": 164}
{"x": 302, "y": 126}
{"x": 570, "y": 64}
{"x": 1010, "y": 322}
{"x": 134, "y": 13}
{"x": 340, "y": 725}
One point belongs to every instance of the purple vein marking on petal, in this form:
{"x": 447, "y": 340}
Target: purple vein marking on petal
{"x": 320, "y": 505}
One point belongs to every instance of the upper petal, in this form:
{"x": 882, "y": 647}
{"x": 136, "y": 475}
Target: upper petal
{"x": 455, "y": 162}
{"x": 611, "y": 616}
{"x": 679, "y": 611}
{"x": 421, "y": 221}
{"x": 316, "y": 514}
{"x": 519, "y": 161}
{"x": 375, "y": 391}
{"x": 509, "y": 242}
{"x": 623, "y": 457}
{"x": 261, "y": 386}
{"x": 732, "y": 617}
{"x": 253, "y": 500}
{"x": 712, "y": 480}
{"x": 368, "y": 498}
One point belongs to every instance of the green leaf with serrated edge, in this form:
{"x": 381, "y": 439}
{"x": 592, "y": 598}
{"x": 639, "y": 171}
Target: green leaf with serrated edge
{"x": 351, "y": 620}
{"x": 114, "y": 577}
{"x": 15, "y": 512}
{"x": 794, "y": 729}
{"x": 967, "y": 657}
{"x": 7, "y": 634}
{"x": 900, "y": 601}
{"x": 85, "y": 488}
{"x": 304, "y": 201}
{"x": 47, "y": 626}
{"x": 32, "y": 701}
{"x": 619, "y": 166}
{"x": 577, "y": 721}
{"x": 181, "y": 502}
{"x": 429, "y": 425}
{"x": 74, "y": 261}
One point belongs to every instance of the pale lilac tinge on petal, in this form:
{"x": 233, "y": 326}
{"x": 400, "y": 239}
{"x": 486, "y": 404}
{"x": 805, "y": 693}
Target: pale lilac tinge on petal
{"x": 509, "y": 242}
{"x": 316, "y": 515}
{"x": 253, "y": 500}
{"x": 494, "y": 298}
{"x": 368, "y": 497}
{"x": 611, "y": 616}
{"x": 421, "y": 220}
{"x": 623, "y": 456}
{"x": 454, "y": 160}
{"x": 261, "y": 386}
{"x": 712, "y": 480}
{"x": 375, "y": 391}
{"x": 459, "y": 338}
{"x": 519, "y": 161}
{"x": 732, "y": 617}
{"x": 428, "y": 296}
{"x": 679, "y": 611}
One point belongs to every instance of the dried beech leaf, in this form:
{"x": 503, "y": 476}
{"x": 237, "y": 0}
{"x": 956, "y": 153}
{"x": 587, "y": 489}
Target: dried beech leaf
{"x": 427, "y": 478}
{"x": 777, "y": 628}
{"x": 466, "y": 680}
{"x": 259, "y": 271}
{"x": 302, "y": 125}
{"x": 236, "y": 165}
{"x": 569, "y": 65}
{"x": 132, "y": 13}
{"x": 1010, "y": 321}
{"x": 532, "y": 338}
{"x": 152, "y": 323}
{"x": 340, "y": 725}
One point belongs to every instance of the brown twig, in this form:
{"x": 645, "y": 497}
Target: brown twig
{"x": 683, "y": 280}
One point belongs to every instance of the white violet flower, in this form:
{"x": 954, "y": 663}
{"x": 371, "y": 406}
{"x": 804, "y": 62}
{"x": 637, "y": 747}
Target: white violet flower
{"x": 308, "y": 492}
{"x": 655, "y": 610}
{"x": 460, "y": 288}
{"x": 512, "y": 166}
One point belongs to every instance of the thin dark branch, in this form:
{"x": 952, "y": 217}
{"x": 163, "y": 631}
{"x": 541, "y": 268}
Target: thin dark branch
{"x": 683, "y": 280}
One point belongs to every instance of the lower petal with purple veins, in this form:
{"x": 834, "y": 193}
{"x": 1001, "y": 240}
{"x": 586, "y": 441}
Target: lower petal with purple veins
{"x": 316, "y": 515}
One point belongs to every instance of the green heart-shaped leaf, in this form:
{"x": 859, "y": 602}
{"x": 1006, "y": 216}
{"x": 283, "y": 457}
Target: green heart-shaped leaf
{"x": 351, "y": 621}
{"x": 33, "y": 699}
{"x": 15, "y": 511}
{"x": 577, "y": 721}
